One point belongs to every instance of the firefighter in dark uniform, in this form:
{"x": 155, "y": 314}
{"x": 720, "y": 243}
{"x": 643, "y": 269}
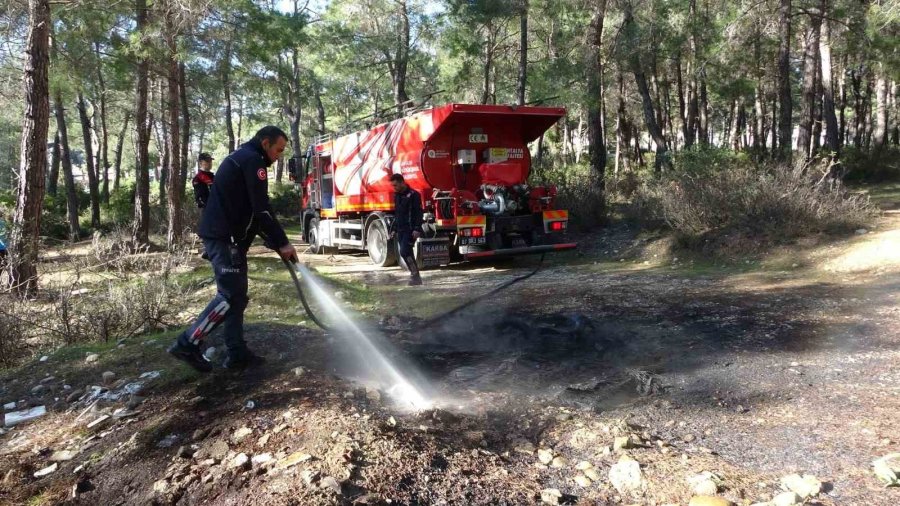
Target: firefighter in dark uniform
{"x": 407, "y": 225}
{"x": 237, "y": 211}
{"x": 203, "y": 179}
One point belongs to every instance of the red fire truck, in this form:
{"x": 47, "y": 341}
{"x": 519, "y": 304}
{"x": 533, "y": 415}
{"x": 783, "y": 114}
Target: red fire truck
{"x": 470, "y": 163}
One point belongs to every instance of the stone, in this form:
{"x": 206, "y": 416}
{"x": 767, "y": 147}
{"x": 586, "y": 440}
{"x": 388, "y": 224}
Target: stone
{"x": 551, "y": 496}
{"x": 705, "y": 483}
{"x": 240, "y": 462}
{"x": 583, "y": 481}
{"x": 47, "y": 470}
{"x": 690, "y": 438}
{"x": 160, "y": 486}
{"x": 559, "y": 462}
{"x": 199, "y": 435}
{"x": 786, "y": 499}
{"x": 545, "y": 456}
{"x": 38, "y": 389}
{"x": 622, "y": 443}
{"x": 522, "y": 445}
{"x": 626, "y": 476}
{"x": 583, "y": 465}
{"x": 109, "y": 377}
{"x": 241, "y": 434}
{"x": 48, "y": 379}
{"x": 44, "y": 358}
{"x": 887, "y": 469}
{"x": 805, "y": 486}
{"x": 134, "y": 401}
{"x": 330, "y": 483}
{"x": 9, "y": 406}
{"x": 92, "y": 358}
{"x": 63, "y": 456}
{"x": 262, "y": 458}
{"x": 862, "y": 231}
{"x": 294, "y": 459}
{"x": 264, "y": 440}
{"x": 185, "y": 452}
{"x": 310, "y": 477}
{"x": 373, "y": 394}
{"x": 708, "y": 500}
{"x": 299, "y": 371}
{"x": 592, "y": 473}
{"x": 218, "y": 450}
{"x": 74, "y": 396}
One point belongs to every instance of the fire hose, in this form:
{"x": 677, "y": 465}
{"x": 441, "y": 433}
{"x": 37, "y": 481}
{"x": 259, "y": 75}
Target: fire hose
{"x": 292, "y": 268}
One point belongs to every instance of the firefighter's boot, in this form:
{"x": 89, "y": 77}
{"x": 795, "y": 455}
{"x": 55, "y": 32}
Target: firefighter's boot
{"x": 191, "y": 355}
{"x": 414, "y": 278}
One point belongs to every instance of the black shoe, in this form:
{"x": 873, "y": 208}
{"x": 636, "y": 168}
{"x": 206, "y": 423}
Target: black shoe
{"x": 415, "y": 280}
{"x": 243, "y": 360}
{"x": 191, "y": 356}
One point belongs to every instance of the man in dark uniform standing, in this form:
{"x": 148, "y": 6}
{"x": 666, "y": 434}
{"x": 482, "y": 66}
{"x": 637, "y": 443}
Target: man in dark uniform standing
{"x": 237, "y": 211}
{"x": 203, "y": 179}
{"x": 407, "y": 226}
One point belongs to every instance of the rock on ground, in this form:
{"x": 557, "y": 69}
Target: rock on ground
{"x": 551, "y": 496}
{"x": 626, "y": 476}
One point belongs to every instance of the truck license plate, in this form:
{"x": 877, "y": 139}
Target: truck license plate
{"x": 468, "y": 241}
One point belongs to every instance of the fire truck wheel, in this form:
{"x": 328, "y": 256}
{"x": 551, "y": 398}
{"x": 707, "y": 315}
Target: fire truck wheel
{"x": 315, "y": 245}
{"x": 382, "y": 251}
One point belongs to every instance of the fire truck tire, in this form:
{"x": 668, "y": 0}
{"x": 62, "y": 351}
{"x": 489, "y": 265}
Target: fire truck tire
{"x": 381, "y": 248}
{"x": 315, "y": 245}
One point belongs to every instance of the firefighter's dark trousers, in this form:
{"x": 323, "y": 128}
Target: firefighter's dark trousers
{"x": 227, "y": 308}
{"x": 405, "y": 243}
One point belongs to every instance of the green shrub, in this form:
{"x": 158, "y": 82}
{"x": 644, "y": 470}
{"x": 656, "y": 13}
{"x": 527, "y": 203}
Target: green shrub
{"x": 121, "y": 205}
{"x": 577, "y": 192}
{"x": 760, "y": 204}
{"x": 286, "y": 200}
{"x": 871, "y": 166}
{"x": 703, "y": 159}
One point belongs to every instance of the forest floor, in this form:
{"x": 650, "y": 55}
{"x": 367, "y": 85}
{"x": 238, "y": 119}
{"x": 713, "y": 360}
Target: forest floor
{"x": 618, "y": 374}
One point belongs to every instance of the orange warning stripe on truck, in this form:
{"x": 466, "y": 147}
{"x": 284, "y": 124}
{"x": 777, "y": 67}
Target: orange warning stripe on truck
{"x": 555, "y": 215}
{"x": 471, "y": 221}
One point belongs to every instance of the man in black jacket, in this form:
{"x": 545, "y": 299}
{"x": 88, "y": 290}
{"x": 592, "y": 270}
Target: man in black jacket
{"x": 203, "y": 179}
{"x": 237, "y": 211}
{"x": 407, "y": 226}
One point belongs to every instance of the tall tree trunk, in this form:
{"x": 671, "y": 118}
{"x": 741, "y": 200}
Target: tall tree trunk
{"x": 320, "y": 107}
{"x": 843, "y": 138}
{"x": 523, "y": 54}
{"x": 279, "y": 171}
{"x": 597, "y": 138}
{"x": 621, "y": 127}
{"x": 785, "y": 105}
{"x": 880, "y": 138}
{"x": 810, "y": 71}
{"x": 173, "y": 139}
{"x": 53, "y": 177}
{"x": 68, "y": 175}
{"x": 185, "y": 130}
{"x": 26, "y": 224}
{"x": 117, "y": 167}
{"x": 93, "y": 184}
{"x": 662, "y": 150}
{"x": 162, "y": 145}
{"x": 103, "y": 164}
{"x": 488, "y": 65}
{"x": 759, "y": 104}
{"x": 686, "y": 130}
{"x": 401, "y": 61}
{"x": 226, "y": 86}
{"x": 141, "y": 231}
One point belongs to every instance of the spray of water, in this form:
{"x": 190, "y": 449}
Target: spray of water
{"x": 399, "y": 380}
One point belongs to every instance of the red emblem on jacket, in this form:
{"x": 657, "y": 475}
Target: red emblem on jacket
{"x": 261, "y": 174}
